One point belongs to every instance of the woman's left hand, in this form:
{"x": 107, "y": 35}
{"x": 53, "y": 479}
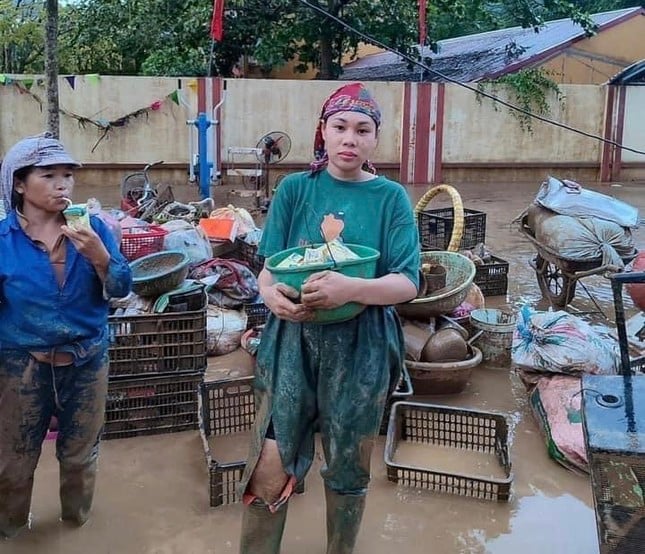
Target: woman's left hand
{"x": 326, "y": 289}
{"x": 89, "y": 245}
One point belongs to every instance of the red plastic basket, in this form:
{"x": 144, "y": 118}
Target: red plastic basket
{"x": 137, "y": 242}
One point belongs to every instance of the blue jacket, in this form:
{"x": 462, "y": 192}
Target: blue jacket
{"x": 36, "y": 314}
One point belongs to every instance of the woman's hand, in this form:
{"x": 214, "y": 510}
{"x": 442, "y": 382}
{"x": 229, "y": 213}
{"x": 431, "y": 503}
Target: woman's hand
{"x": 326, "y": 289}
{"x": 279, "y": 297}
{"x": 90, "y": 246}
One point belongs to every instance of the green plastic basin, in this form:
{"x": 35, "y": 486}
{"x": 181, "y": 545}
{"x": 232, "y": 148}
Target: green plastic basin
{"x": 364, "y": 267}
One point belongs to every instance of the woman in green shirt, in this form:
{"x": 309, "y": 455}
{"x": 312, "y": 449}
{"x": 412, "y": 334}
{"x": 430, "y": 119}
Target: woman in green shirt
{"x": 334, "y": 378}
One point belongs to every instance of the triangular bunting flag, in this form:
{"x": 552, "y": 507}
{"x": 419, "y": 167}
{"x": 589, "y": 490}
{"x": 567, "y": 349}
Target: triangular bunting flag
{"x": 93, "y": 78}
{"x": 71, "y": 81}
{"x": 28, "y": 83}
{"x": 3, "y": 78}
{"x": 174, "y": 96}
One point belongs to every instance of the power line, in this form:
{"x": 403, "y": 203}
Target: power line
{"x": 483, "y": 93}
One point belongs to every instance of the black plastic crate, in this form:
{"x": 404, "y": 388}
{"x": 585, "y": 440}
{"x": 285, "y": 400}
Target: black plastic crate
{"x": 459, "y": 429}
{"x": 249, "y": 253}
{"x": 151, "y": 405}
{"x": 256, "y": 314}
{"x": 435, "y": 228}
{"x": 225, "y": 406}
{"x": 403, "y": 391}
{"x": 492, "y": 277}
{"x": 147, "y": 344}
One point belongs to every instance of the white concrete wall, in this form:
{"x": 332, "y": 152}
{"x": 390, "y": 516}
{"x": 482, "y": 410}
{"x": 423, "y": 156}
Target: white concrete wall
{"x": 634, "y": 130}
{"x": 483, "y": 131}
{"x": 474, "y": 132}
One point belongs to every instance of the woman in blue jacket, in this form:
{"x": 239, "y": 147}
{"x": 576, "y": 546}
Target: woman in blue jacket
{"x": 55, "y": 283}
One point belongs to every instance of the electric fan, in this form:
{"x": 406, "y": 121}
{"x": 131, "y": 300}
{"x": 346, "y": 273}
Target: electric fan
{"x": 273, "y": 147}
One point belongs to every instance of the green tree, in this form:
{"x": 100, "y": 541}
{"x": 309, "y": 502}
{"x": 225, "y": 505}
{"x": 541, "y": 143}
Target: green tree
{"x": 21, "y": 36}
{"x": 171, "y": 37}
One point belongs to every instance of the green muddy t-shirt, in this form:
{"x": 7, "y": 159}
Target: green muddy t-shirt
{"x": 376, "y": 213}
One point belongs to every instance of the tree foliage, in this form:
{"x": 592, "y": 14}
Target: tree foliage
{"x": 21, "y": 36}
{"x": 171, "y": 37}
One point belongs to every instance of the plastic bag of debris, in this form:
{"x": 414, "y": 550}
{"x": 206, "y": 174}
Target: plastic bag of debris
{"x": 224, "y": 330}
{"x": 558, "y": 342}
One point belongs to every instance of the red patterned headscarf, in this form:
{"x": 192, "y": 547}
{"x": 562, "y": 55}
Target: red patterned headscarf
{"x": 353, "y": 97}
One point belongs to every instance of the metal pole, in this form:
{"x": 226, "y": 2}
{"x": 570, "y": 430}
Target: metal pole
{"x": 203, "y": 124}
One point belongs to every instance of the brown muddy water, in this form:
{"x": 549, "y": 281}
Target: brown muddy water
{"x": 152, "y": 493}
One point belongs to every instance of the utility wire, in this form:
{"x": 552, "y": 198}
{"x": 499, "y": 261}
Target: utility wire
{"x": 492, "y": 97}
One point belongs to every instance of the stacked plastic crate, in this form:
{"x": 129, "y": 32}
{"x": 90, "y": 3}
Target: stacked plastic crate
{"x": 435, "y": 230}
{"x": 157, "y": 362}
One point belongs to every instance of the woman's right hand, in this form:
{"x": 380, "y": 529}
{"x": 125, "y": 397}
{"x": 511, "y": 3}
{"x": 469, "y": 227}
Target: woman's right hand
{"x": 279, "y": 297}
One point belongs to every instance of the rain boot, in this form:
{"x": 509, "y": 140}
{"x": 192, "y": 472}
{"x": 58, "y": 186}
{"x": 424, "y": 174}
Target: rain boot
{"x": 344, "y": 514}
{"x": 77, "y": 492}
{"x": 261, "y": 529}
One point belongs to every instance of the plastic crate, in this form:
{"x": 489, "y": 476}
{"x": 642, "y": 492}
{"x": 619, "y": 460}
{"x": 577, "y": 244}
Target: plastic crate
{"x": 492, "y": 278}
{"x": 249, "y": 253}
{"x": 458, "y": 429}
{"x": 225, "y": 406}
{"x": 256, "y": 314}
{"x": 151, "y": 405}
{"x": 146, "y": 344}
{"x": 403, "y": 391}
{"x": 435, "y": 228}
{"x": 137, "y": 242}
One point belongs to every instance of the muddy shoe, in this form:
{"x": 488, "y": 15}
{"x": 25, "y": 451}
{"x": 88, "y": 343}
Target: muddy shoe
{"x": 10, "y": 530}
{"x": 76, "y": 518}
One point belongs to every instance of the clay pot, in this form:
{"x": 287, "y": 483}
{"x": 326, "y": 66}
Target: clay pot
{"x": 435, "y": 278}
{"x": 446, "y": 345}
{"x": 637, "y": 290}
{"x": 415, "y": 340}
{"x": 443, "y": 377}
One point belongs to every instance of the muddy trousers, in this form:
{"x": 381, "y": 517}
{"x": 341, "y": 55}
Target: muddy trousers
{"x": 262, "y": 530}
{"x": 30, "y": 394}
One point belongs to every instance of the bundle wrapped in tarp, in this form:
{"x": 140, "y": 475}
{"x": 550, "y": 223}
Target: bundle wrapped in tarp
{"x": 569, "y": 198}
{"x": 581, "y": 238}
{"x": 555, "y": 403}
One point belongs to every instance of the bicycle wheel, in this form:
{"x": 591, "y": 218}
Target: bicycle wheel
{"x": 133, "y": 185}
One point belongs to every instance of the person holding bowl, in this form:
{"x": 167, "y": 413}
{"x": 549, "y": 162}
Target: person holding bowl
{"x": 333, "y": 377}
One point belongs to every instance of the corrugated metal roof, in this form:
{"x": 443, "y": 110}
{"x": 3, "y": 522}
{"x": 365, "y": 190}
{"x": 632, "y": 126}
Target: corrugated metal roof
{"x": 484, "y": 55}
{"x": 632, "y": 75}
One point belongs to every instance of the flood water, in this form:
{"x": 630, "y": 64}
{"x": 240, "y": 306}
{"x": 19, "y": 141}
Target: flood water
{"x": 153, "y": 497}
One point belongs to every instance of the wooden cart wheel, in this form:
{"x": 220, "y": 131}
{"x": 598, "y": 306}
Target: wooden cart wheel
{"x": 554, "y": 285}
{"x": 458, "y": 209}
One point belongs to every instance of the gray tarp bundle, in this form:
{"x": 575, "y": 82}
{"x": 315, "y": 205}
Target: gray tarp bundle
{"x": 581, "y": 224}
{"x": 581, "y": 238}
{"x": 569, "y": 198}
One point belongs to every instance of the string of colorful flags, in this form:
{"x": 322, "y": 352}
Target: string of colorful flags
{"x": 25, "y": 86}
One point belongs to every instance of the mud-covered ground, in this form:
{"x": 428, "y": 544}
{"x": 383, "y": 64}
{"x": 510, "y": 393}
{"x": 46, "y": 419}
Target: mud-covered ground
{"x": 153, "y": 496}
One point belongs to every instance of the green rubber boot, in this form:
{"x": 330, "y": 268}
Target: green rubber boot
{"x": 344, "y": 514}
{"x": 262, "y": 530}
